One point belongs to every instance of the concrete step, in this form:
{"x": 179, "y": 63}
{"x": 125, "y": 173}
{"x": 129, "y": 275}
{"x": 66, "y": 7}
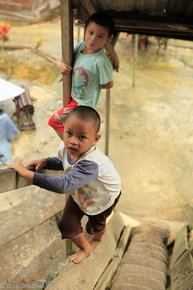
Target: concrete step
{"x": 144, "y": 265}
{"x": 29, "y": 239}
{"x": 181, "y": 264}
{"x": 144, "y": 272}
{"x": 136, "y": 280}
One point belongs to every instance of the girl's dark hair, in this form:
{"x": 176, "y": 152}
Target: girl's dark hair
{"x": 102, "y": 19}
{"x": 87, "y": 114}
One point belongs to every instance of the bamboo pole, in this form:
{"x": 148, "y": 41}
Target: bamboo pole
{"x": 67, "y": 37}
{"x": 107, "y": 120}
{"x": 67, "y": 44}
{"x": 136, "y": 37}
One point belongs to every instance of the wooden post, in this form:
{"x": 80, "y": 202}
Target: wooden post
{"x": 78, "y": 32}
{"x": 67, "y": 54}
{"x": 107, "y": 120}
{"x": 135, "y": 57}
{"x": 67, "y": 44}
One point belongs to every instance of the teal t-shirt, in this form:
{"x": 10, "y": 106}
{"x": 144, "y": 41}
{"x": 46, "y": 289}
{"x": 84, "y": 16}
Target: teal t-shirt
{"x": 90, "y": 71}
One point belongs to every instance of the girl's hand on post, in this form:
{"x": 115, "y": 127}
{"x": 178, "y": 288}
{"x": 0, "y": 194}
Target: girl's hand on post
{"x": 64, "y": 68}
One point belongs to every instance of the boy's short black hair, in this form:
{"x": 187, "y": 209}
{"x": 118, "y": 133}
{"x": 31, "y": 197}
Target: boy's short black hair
{"x": 102, "y": 19}
{"x": 87, "y": 114}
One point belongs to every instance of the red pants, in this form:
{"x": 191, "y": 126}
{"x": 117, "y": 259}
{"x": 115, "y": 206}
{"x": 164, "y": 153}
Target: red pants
{"x": 56, "y": 121}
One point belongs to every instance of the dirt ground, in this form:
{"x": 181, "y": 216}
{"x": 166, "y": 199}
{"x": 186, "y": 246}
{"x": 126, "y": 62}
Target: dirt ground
{"x": 151, "y": 124}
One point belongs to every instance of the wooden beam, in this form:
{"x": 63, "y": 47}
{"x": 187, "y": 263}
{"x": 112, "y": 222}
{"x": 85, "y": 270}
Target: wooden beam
{"x": 88, "y": 7}
{"x": 67, "y": 44}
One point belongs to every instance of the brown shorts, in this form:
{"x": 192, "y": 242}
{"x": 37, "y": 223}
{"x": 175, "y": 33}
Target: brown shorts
{"x": 70, "y": 224}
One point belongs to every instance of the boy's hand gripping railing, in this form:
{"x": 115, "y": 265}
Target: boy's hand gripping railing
{"x": 10, "y": 180}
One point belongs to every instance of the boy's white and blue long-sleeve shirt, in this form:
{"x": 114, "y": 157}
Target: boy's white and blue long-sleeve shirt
{"x": 92, "y": 180}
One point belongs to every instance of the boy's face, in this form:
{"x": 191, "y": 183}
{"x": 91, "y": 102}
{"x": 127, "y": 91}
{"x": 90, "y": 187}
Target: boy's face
{"x": 79, "y": 136}
{"x": 96, "y": 37}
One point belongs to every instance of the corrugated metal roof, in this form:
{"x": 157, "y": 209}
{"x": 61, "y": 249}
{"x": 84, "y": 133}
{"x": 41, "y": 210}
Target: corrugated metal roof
{"x": 164, "y": 18}
{"x": 145, "y": 6}
{"x": 149, "y": 7}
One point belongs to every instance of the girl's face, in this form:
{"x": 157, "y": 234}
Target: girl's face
{"x": 79, "y": 136}
{"x": 96, "y": 37}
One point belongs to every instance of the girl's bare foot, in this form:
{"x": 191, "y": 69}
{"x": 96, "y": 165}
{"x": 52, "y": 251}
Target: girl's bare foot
{"x": 78, "y": 257}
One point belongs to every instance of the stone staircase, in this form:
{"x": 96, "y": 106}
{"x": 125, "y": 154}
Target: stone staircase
{"x": 145, "y": 263}
{"x": 32, "y": 252}
{"x": 31, "y": 249}
{"x": 120, "y": 266}
{"x": 33, "y": 255}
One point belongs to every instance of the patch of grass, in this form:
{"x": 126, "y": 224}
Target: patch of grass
{"x": 150, "y": 60}
{"x": 160, "y": 65}
{"x": 186, "y": 59}
{"x": 43, "y": 73}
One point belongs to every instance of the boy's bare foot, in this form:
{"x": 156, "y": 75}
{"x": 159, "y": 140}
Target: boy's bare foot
{"x": 89, "y": 245}
{"x": 96, "y": 239}
{"x": 93, "y": 244}
{"x": 78, "y": 257}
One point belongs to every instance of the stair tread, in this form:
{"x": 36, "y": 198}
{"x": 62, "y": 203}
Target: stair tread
{"x": 25, "y": 208}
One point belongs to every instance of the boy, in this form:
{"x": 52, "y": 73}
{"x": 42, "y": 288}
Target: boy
{"x": 92, "y": 69}
{"x": 90, "y": 177}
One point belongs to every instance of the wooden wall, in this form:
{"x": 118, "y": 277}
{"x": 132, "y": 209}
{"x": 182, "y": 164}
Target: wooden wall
{"x": 25, "y": 9}
{"x": 17, "y": 4}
